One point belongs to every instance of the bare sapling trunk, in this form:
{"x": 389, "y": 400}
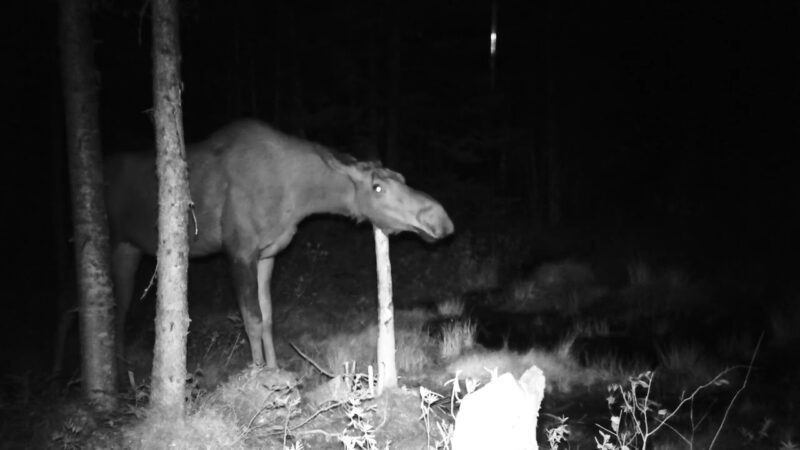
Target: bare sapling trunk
{"x": 387, "y": 369}
{"x": 92, "y": 252}
{"x": 172, "y": 314}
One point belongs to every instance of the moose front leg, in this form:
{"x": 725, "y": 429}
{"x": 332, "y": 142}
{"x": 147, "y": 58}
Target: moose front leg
{"x": 265, "y": 304}
{"x": 246, "y": 285}
{"x": 124, "y": 262}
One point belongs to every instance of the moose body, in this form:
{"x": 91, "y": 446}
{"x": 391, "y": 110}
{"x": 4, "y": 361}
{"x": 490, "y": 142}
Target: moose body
{"x": 251, "y": 186}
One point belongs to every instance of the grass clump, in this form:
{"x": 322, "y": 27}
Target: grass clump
{"x": 592, "y": 328}
{"x": 413, "y": 350}
{"x": 208, "y": 428}
{"x": 680, "y": 358}
{"x": 456, "y": 338}
{"x": 344, "y": 348}
{"x": 451, "y": 307}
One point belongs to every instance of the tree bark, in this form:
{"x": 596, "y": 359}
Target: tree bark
{"x": 92, "y": 252}
{"x": 387, "y": 369}
{"x": 172, "y": 314}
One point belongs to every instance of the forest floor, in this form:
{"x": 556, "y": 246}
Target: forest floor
{"x": 592, "y": 308}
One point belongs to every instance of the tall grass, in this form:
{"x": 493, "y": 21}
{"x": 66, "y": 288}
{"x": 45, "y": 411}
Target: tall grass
{"x": 680, "y": 358}
{"x": 413, "y": 350}
{"x": 452, "y": 307}
{"x": 457, "y": 337}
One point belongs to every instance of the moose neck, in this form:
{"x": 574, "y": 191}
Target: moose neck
{"x": 328, "y": 188}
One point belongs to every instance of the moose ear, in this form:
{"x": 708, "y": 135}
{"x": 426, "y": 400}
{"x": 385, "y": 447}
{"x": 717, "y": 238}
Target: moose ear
{"x": 366, "y": 166}
{"x": 392, "y": 175}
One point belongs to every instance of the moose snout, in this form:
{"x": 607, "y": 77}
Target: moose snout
{"x": 446, "y": 226}
{"x": 435, "y": 222}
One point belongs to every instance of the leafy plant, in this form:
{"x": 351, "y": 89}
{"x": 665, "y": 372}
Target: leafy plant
{"x": 427, "y": 399}
{"x": 445, "y": 427}
{"x": 359, "y": 432}
{"x": 558, "y": 434}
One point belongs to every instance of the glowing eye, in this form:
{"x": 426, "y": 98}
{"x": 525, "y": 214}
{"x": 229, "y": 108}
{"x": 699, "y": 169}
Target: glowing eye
{"x": 377, "y": 188}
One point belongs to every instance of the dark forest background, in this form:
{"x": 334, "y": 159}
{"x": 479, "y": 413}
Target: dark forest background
{"x": 669, "y": 115}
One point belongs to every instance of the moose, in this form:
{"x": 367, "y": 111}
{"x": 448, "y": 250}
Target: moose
{"x": 251, "y": 186}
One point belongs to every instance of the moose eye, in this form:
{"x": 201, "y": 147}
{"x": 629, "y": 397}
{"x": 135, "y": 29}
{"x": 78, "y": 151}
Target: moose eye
{"x": 377, "y": 188}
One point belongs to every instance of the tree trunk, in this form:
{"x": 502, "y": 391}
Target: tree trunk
{"x": 172, "y": 314}
{"x": 92, "y": 252}
{"x": 387, "y": 369}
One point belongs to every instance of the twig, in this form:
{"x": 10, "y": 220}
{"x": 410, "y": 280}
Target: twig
{"x": 707, "y": 413}
{"x": 151, "y": 283}
{"x": 211, "y": 344}
{"x": 688, "y": 442}
{"x": 322, "y": 432}
{"x": 644, "y": 411}
{"x": 286, "y": 427}
{"x": 694, "y": 393}
{"x": 327, "y": 408}
{"x": 736, "y": 395}
{"x": 233, "y": 349}
{"x": 194, "y": 220}
{"x": 276, "y": 404}
{"x": 333, "y": 405}
{"x": 258, "y": 413}
{"x": 142, "y": 12}
{"x": 691, "y": 421}
{"x": 307, "y": 358}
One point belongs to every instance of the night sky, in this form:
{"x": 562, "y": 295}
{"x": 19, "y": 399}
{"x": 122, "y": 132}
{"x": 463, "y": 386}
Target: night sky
{"x": 666, "y": 114}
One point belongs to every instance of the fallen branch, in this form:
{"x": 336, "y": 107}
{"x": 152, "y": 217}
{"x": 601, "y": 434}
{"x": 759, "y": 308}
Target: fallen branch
{"x": 312, "y": 362}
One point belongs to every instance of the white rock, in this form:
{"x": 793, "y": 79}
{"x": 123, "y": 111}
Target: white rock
{"x": 501, "y": 415}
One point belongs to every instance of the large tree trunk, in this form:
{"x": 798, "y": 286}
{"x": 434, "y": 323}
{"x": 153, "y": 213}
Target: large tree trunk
{"x": 172, "y": 313}
{"x": 92, "y": 253}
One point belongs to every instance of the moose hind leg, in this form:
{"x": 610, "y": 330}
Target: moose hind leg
{"x": 245, "y": 284}
{"x": 265, "y": 303}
